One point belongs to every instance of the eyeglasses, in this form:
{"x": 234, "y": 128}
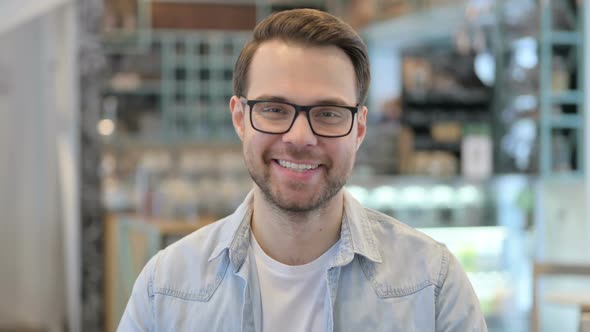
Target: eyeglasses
{"x": 273, "y": 117}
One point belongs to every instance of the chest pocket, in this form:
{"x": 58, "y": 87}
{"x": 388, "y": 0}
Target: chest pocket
{"x": 408, "y": 313}
{"x": 365, "y": 304}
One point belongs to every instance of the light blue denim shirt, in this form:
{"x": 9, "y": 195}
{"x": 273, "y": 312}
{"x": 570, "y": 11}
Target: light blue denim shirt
{"x": 385, "y": 276}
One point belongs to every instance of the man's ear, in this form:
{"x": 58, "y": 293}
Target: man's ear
{"x": 361, "y": 126}
{"x": 237, "y": 115}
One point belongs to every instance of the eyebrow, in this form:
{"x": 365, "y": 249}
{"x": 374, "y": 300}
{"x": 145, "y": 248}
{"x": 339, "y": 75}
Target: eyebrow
{"x": 326, "y": 101}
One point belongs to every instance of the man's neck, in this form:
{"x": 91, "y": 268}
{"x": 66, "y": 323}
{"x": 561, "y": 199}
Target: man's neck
{"x": 296, "y": 239}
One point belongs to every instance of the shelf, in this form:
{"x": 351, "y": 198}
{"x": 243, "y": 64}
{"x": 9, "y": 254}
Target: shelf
{"x": 552, "y": 44}
{"x": 567, "y": 97}
{"x": 572, "y": 38}
{"x": 564, "y": 176}
{"x": 573, "y": 121}
{"x": 431, "y": 145}
{"x": 147, "y": 88}
{"x": 465, "y": 99}
{"x": 162, "y": 142}
{"x": 416, "y": 118}
{"x": 189, "y": 90}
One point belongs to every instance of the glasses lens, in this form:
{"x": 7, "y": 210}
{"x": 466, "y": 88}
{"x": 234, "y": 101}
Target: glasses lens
{"x": 331, "y": 120}
{"x": 272, "y": 117}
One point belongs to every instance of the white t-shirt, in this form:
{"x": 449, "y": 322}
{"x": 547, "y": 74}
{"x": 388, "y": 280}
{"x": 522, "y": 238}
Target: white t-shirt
{"x": 294, "y": 298}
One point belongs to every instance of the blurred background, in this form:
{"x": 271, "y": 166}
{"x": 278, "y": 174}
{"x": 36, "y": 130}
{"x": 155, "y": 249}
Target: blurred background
{"x": 116, "y": 140}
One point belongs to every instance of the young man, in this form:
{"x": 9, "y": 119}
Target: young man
{"x": 300, "y": 254}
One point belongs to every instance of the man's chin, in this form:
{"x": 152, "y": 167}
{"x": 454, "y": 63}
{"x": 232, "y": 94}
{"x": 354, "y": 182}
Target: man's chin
{"x": 295, "y": 197}
{"x": 300, "y": 201}
{"x": 299, "y": 204}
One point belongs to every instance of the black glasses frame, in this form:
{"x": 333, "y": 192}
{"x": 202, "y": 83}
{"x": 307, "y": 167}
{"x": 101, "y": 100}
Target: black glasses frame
{"x": 299, "y": 109}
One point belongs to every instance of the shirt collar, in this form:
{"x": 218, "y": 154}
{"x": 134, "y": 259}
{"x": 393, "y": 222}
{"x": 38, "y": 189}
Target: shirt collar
{"x": 235, "y": 234}
{"x": 356, "y": 234}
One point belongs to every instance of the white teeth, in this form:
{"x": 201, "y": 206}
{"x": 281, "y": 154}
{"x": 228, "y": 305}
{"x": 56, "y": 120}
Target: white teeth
{"x": 297, "y": 167}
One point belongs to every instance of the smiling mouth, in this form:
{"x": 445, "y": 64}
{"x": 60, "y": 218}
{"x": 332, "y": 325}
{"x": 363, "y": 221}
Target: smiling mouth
{"x": 295, "y": 166}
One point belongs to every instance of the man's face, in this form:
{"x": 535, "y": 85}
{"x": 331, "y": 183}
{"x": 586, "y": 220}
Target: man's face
{"x": 303, "y": 75}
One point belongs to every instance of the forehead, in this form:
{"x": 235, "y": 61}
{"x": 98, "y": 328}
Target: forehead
{"x": 301, "y": 73}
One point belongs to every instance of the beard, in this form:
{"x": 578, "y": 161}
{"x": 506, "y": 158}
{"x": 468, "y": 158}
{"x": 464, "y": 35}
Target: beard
{"x": 275, "y": 194}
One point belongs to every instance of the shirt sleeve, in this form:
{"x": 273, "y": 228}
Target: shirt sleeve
{"x": 139, "y": 313}
{"x": 457, "y": 306}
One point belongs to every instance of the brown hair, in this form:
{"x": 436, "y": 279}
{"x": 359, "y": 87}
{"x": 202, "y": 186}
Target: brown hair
{"x": 308, "y": 27}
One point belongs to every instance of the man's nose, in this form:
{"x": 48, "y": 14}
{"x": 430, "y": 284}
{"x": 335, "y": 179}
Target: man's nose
{"x": 300, "y": 133}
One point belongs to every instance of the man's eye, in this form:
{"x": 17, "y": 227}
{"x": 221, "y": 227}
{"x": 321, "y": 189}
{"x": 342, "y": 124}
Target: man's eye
{"x": 328, "y": 114}
{"x": 273, "y": 110}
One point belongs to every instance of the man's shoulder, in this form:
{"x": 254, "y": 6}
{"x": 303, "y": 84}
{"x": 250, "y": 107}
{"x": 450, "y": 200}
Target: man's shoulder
{"x": 198, "y": 243}
{"x": 410, "y": 257}
{"x": 400, "y": 232}
{"x": 187, "y": 267}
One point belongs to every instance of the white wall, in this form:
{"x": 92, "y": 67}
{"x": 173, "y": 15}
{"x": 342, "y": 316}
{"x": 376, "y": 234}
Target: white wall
{"x": 562, "y": 227}
{"x": 561, "y": 236}
{"x": 14, "y": 13}
{"x": 37, "y": 109}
